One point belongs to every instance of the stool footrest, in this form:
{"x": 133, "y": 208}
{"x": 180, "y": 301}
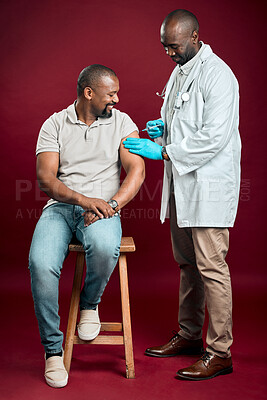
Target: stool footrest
{"x": 111, "y": 327}
{"x": 100, "y": 339}
{"x": 127, "y": 246}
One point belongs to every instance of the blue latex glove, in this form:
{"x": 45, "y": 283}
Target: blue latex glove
{"x": 143, "y": 147}
{"x": 156, "y": 131}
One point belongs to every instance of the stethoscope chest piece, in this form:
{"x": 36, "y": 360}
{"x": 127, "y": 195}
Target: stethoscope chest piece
{"x": 185, "y": 96}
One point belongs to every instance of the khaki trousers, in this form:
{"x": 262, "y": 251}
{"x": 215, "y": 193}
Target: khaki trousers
{"x": 204, "y": 278}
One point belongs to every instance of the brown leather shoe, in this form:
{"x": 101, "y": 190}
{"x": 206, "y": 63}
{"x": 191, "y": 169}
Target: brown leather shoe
{"x": 207, "y": 367}
{"x": 176, "y": 346}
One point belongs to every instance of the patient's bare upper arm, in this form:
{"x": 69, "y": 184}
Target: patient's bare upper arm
{"x": 47, "y": 164}
{"x": 130, "y": 160}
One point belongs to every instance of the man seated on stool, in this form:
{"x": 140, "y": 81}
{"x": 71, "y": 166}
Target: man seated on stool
{"x": 79, "y": 155}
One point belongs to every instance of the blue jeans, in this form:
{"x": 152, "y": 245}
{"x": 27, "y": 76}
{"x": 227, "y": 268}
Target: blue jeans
{"x": 49, "y": 248}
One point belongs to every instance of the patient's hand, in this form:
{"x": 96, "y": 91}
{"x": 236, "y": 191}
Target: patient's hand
{"x": 89, "y": 218}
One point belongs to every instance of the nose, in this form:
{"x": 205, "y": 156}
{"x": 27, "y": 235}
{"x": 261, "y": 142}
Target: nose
{"x": 116, "y": 98}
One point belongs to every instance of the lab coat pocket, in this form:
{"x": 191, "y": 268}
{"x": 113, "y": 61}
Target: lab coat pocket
{"x": 192, "y": 110}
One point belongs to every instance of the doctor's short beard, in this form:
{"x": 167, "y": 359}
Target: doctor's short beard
{"x": 183, "y": 59}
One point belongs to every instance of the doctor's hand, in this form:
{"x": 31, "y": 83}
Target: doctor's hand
{"x": 155, "y": 128}
{"x": 144, "y": 147}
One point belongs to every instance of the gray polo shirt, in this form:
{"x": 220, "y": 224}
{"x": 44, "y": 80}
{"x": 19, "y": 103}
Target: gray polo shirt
{"x": 89, "y": 160}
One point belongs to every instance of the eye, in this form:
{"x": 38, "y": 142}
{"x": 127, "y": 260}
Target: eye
{"x": 171, "y": 46}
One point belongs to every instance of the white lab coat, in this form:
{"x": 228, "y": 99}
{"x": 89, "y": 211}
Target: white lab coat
{"x": 204, "y": 147}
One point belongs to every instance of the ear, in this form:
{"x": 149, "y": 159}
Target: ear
{"x": 195, "y": 37}
{"x": 88, "y": 93}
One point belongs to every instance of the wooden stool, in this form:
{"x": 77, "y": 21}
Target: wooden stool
{"x": 127, "y": 245}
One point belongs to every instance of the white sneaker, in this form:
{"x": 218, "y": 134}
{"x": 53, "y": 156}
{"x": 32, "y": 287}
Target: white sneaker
{"x": 89, "y": 325}
{"x": 55, "y": 372}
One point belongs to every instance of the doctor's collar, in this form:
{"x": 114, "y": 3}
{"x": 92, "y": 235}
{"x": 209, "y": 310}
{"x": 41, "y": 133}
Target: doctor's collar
{"x": 186, "y": 68}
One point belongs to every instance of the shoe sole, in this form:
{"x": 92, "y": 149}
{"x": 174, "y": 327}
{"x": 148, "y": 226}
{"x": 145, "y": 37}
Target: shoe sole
{"x": 56, "y": 385}
{"x": 88, "y": 337}
{"x": 222, "y": 372}
{"x": 181, "y": 353}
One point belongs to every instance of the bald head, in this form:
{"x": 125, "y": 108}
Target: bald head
{"x": 184, "y": 18}
{"x": 179, "y": 36}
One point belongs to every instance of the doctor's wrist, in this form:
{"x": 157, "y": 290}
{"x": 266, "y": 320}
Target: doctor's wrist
{"x": 164, "y": 154}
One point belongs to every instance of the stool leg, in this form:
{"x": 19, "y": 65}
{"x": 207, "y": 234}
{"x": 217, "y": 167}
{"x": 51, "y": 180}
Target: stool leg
{"x": 126, "y": 318}
{"x": 74, "y": 306}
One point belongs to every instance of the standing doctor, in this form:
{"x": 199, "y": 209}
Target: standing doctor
{"x": 198, "y": 138}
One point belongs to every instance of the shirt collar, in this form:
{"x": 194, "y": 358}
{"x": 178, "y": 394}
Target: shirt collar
{"x": 186, "y": 68}
{"x": 72, "y": 115}
{"x": 71, "y": 112}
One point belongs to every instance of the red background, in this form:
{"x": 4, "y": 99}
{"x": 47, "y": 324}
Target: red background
{"x": 44, "y": 46}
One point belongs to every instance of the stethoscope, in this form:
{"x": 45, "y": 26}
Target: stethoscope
{"x": 185, "y": 96}
{"x": 162, "y": 95}
{"x": 181, "y": 97}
